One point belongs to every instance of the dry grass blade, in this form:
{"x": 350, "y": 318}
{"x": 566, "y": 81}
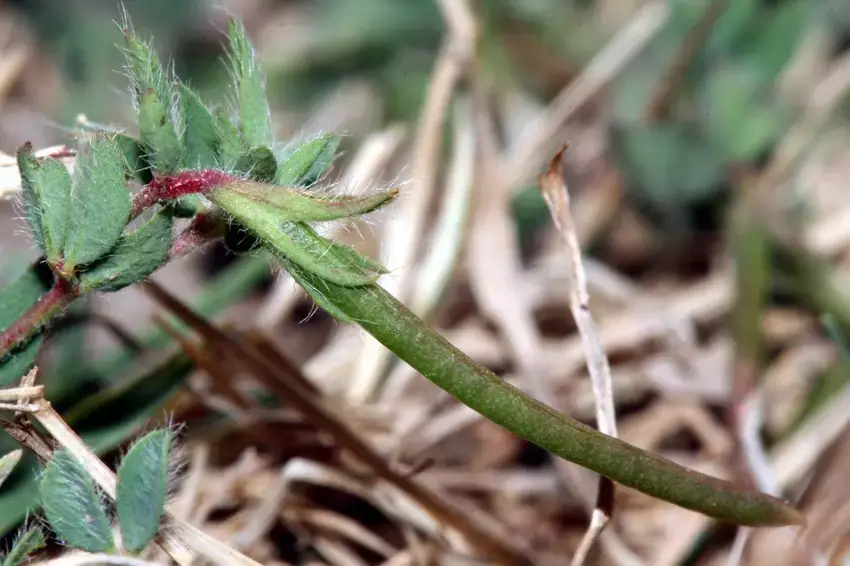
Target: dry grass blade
{"x": 489, "y": 541}
{"x": 555, "y": 193}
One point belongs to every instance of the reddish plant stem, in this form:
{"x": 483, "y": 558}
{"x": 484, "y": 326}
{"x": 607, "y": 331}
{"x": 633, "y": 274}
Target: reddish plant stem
{"x": 178, "y": 185}
{"x": 37, "y": 317}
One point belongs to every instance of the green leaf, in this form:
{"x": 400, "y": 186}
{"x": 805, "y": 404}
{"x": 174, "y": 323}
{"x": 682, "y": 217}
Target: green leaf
{"x": 202, "y": 135}
{"x": 668, "y": 164}
{"x": 255, "y": 116}
{"x": 47, "y": 195}
{"x": 302, "y": 206}
{"x": 73, "y": 507}
{"x": 145, "y": 69}
{"x": 107, "y": 419}
{"x": 15, "y": 299}
{"x": 308, "y": 162}
{"x": 8, "y": 463}
{"x": 135, "y": 160}
{"x": 296, "y": 241}
{"x": 742, "y": 122}
{"x": 26, "y": 543}
{"x": 733, "y": 25}
{"x": 259, "y": 164}
{"x": 134, "y": 257}
{"x": 142, "y": 487}
{"x": 100, "y": 203}
{"x": 773, "y": 39}
{"x": 232, "y": 144}
{"x": 158, "y": 134}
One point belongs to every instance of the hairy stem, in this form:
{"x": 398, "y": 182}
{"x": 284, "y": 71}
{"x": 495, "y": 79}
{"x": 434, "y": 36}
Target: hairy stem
{"x": 434, "y": 357}
{"x": 34, "y": 320}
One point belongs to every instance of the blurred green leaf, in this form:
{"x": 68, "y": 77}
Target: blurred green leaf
{"x": 100, "y": 203}
{"x": 741, "y": 121}
{"x": 668, "y": 164}
{"x": 8, "y": 463}
{"x": 135, "y": 256}
{"x": 73, "y": 506}
{"x": 142, "y": 487}
{"x": 771, "y": 40}
{"x": 15, "y": 299}
{"x": 46, "y": 188}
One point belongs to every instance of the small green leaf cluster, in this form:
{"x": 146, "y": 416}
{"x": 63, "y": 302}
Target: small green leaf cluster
{"x": 187, "y": 155}
{"x": 728, "y": 111}
{"x": 76, "y": 512}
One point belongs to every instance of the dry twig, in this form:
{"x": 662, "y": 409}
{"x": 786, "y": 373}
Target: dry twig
{"x": 557, "y": 198}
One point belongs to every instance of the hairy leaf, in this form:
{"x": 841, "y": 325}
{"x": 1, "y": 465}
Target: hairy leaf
{"x": 308, "y": 162}
{"x": 202, "y": 134}
{"x": 100, "y": 203}
{"x": 135, "y": 256}
{"x": 145, "y": 69}
{"x": 27, "y": 542}
{"x": 254, "y": 113}
{"x": 73, "y": 507}
{"x": 232, "y": 144}
{"x": 47, "y": 195}
{"x": 142, "y": 487}
{"x": 15, "y": 299}
{"x": 259, "y": 164}
{"x": 303, "y": 206}
{"x": 134, "y": 159}
{"x": 158, "y": 133}
{"x": 296, "y": 241}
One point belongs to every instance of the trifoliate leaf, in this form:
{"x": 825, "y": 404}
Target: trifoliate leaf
{"x": 142, "y": 487}
{"x": 25, "y": 543}
{"x": 100, "y": 203}
{"x": 259, "y": 164}
{"x": 47, "y": 195}
{"x": 254, "y": 113}
{"x": 158, "y": 134}
{"x": 73, "y": 507}
{"x": 134, "y": 257}
{"x": 15, "y": 299}
{"x": 202, "y": 135}
{"x": 308, "y": 162}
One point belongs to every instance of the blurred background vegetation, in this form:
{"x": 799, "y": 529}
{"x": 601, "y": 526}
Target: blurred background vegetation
{"x": 708, "y": 178}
